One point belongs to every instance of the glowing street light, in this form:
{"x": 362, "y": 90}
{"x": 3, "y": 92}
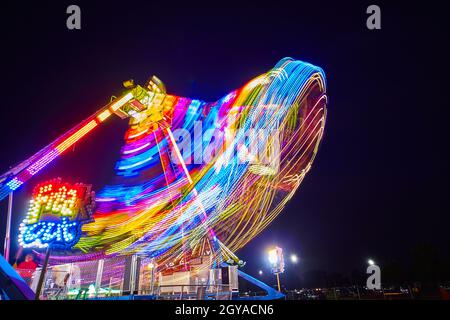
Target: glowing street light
{"x": 371, "y": 262}
{"x": 260, "y": 272}
{"x": 294, "y": 258}
{"x": 273, "y": 257}
{"x": 276, "y": 260}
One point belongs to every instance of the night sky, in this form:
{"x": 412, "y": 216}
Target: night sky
{"x": 380, "y": 183}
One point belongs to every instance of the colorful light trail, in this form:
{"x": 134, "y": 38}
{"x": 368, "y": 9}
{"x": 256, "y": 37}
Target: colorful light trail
{"x": 158, "y": 202}
{"x": 195, "y": 175}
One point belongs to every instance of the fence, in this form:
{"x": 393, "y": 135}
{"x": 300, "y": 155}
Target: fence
{"x": 82, "y": 280}
{"x": 124, "y": 275}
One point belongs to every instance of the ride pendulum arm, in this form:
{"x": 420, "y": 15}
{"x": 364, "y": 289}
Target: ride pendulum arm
{"x": 215, "y": 243}
{"x": 211, "y": 234}
{"x": 21, "y": 173}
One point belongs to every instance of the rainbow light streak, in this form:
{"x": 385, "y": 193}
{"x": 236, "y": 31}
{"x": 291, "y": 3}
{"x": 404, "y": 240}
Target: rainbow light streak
{"x": 41, "y": 163}
{"x": 76, "y": 136}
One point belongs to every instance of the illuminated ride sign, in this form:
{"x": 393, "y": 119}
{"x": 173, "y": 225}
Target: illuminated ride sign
{"x": 55, "y": 215}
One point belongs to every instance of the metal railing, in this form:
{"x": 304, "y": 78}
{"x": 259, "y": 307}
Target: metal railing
{"x": 107, "y": 278}
{"x": 193, "y": 292}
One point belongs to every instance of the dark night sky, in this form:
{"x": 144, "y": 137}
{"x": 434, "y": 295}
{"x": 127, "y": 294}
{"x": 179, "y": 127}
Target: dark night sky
{"x": 379, "y": 185}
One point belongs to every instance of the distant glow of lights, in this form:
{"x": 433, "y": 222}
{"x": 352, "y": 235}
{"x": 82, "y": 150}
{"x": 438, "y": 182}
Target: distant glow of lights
{"x": 294, "y": 258}
{"x": 260, "y": 272}
{"x": 273, "y": 256}
{"x": 53, "y": 218}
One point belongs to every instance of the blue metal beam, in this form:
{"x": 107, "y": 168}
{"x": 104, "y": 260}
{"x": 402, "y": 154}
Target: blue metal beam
{"x": 12, "y": 286}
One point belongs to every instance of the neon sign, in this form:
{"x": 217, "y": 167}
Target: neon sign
{"x": 56, "y": 213}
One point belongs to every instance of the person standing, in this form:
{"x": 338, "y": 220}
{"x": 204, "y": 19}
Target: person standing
{"x": 27, "y": 267}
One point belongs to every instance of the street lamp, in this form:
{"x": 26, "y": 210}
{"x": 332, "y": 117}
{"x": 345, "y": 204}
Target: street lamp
{"x": 276, "y": 260}
{"x": 294, "y": 258}
{"x": 272, "y": 255}
{"x": 371, "y": 262}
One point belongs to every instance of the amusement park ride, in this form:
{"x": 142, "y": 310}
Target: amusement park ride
{"x": 179, "y": 209}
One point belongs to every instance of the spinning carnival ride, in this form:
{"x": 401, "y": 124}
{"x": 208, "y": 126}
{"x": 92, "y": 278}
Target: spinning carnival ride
{"x": 196, "y": 178}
